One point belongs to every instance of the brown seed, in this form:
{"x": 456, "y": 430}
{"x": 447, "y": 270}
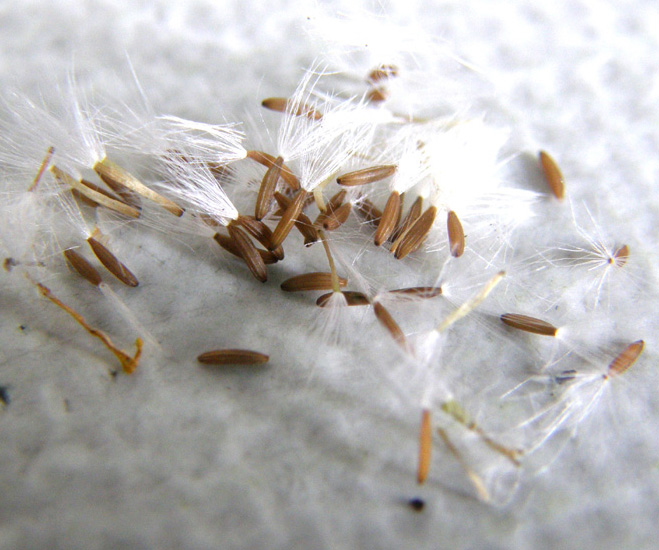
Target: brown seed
{"x": 248, "y": 252}
{"x": 414, "y": 237}
{"x": 283, "y": 105}
{"x": 268, "y": 160}
{"x": 333, "y": 204}
{"x": 352, "y": 298}
{"x": 311, "y": 281}
{"x": 553, "y": 175}
{"x": 261, "y": 232}
{"x": 232, "y": 357}
{"x": 229, "y": 245}
{"x": 382, "y": 72}
{"x": 82, "y": 267}
{"x": 419, "y": 291}
{"x": 387, "y": 321}
{"x": 113, "y": 174}
{"x": 93, "y": 193}
{"x": 288, "y": 219}
{"x": 42, "y": 168}
{"x": 267, "y": 189}
{"x": 412, "y": 215}
{"x": 337, "y": 218}
{"x": 626, "y": 358}
{"x": 425, "y": 447}
{"x": 529, "y": 324}
{"x": 112, "y": 264}
{"x": 389, "y": 219}
{"x": 620, "y": 256}
{"x": 368, "y": 211}
{"x": 456, "y": 235}
{"x": 366, "y": 175}
{"x": 377, "y": 95}
{"x": 303, "y": 224}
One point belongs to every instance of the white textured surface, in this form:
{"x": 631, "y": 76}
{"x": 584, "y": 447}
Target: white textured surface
{"x": 295, "y": 455}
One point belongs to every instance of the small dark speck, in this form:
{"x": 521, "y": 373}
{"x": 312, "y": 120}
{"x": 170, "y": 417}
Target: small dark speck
{"x": 23, "y": 327}
{"x": 67, "y": 405}
{"x": 417, "y": 504}
{"x": 4, "y": 395}
{"x": 114, "y": 374}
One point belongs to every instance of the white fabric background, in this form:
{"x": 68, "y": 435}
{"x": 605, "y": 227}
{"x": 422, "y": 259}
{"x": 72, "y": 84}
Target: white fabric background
{"x": 182, "y": 457}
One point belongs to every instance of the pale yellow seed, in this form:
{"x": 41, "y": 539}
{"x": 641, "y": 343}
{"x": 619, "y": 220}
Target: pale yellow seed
{"x": 553, "y": 175}
{"x": 425, "y": 447}
{"x": 626, "y": 358}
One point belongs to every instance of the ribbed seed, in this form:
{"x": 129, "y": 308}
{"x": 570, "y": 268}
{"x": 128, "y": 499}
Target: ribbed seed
{"x": 412, "y": 215}
{"x": 232, "y": 357}
{"x": 229, "y": 245}
{"x": 389, "y": 219}
{"x": 268, "y": 160}
{"x": 267, "y": 189}
{"x": 456, "y": 235}
{"x": 86, "y": 270}
{"x": 425, "y": 447}
{"x": 553, "y": 175}
{"x": 311, "y": 281}
{"x": 111, "y": 263}
{"x": 283, "y": 105}
{"x": 366, "y": 175}
{"x": 368, "y": 211}
{"x": 419, "y": 291}
{"x": 626, "y": 358}
{"x": 303, "y": 224}
{"x": 387, "y": 321}
{"x": 261, "y": 232}
{"x": 288, "y": 219}
{"x": 414, "y": 237}
{"x": 248, "y": 252}
{"x": 352, "y": 298}
{"x": 337, "y": 218}
{"x": 529, "y": 324}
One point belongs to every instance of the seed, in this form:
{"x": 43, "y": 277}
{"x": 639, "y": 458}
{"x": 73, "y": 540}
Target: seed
{"x": 529, "y": 324}
{"x": 82, "y": 267}
{"x": 248, "y": 252}
{"x": 368, "y": 211}
{"x": 230, "y": 246}
{"x": 311, "y": 281}
{"x": 412, "y": 215}
{"x": 113, "y": 174}
{"x": 419, "y": 291}
{"x": 268, "y": 160}
{"x": 389, "y": 219}
{"x": 42, "y": 168}
{"x": 112, "y": 264}
{"x": 352, "y": 298}
{"x": 288, "y": 219}
{"x": 425, "y": 447}
{"x": 337, "y": 218}
{"x": 413, "y": 238}
{"x": 456, "y": 236}
{"x": 267, "y": 189}
{"x": 261, "y": 232}
{"x": 382, "y": 72}
{"x": 303, "y": 223}
{"x": 377, "y": 95}
{"x": 620, "y": 256}
{"x": 283, "y": 105}
{"x": 626, "y": 358}
{"x": 417, "y": 504}
{"x": 232, "y": 357}
{"x": 366, "y": 175}
{"x": 387, "y": 321}
{"x": 553, "y": 175}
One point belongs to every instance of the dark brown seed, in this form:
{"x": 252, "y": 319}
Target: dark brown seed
{"x": 229, "y": 245}
{"x": 382, "y": 72}
{"x": 311, "y": 281}
{"x": 425, "y": 447}
{"x": 626, "y": 358}
{"x": 419, "y": 291}
{"x": 42, "y": 168}
{"x": 267, "y": 189}
{"x": 261, "y": 232}
{"x": 337, "y": 218}
{"x": 283, "y": 105}
{"x": 377, "y": 95}
{"x": 456, "y": 235}
{"x": 232, "y": 357}
{"x": 620, "y": 256}
{"x": 113, "y": 174}
{"x": 112, "y": 264}
{"x": 82, "y": 267}
{"x": 389, "y": 219}
{"x": 368, "y": 211}
{"x": 303, "y": 224}
{"x": 553, "y": 175}
{"x": 268, "y": 160}
{"x": 288, "y": 219}
{"x": 417, "y": 504}
{"x": 352, "y": 298}
{"x": 412, "y": 215}
{"x": 366, "y": 175}
{"x": 387, "y": 321}
{"x": 529, "y": 324}
{"x": 414, "y": 237}
{"x": 248, "y": 252}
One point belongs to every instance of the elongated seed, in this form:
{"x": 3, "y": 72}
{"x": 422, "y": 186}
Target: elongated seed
{"x": 621, "y": 255}
{"x": 303, "y": 224}
{"x": 414, "y": 237}
{"x": 381, "y": 72}
{"x": 337, "y": 218}
{"x": 283, "y": 105}
{"x": 232, "y": 357}
{"x": 368, "y": 211}
{"x": 311, "y": 281}
{"x": 626, "y": 358}
{"x": 366, "y": 175}
{"x": 229, "y": 245}
{"x": 553, "y": 175}
{"x": 456, "y": 235}
{"x": 112, "y": 264}
{"x": 82, "y": 267}
{"x": 42, "y": 168}
{"x": 352, "y": 298}
{"x": 268, "y": 160}
{"x": 267, "y": 189}
{"x": 387, "y": 321}
{"x": 529, "y": 324}
{"x": 412, "y": 215}
{"x": 261, "y": 232}
{"x": 389, "y": 219}
{"x": 109, "y": 171}
{"x": 288, "y": 219}
{"x": 333, "y": 204}
{"x": 419, "y": 291}
{"x": 248, "y": 252}
{"x": 425, "y": 447}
